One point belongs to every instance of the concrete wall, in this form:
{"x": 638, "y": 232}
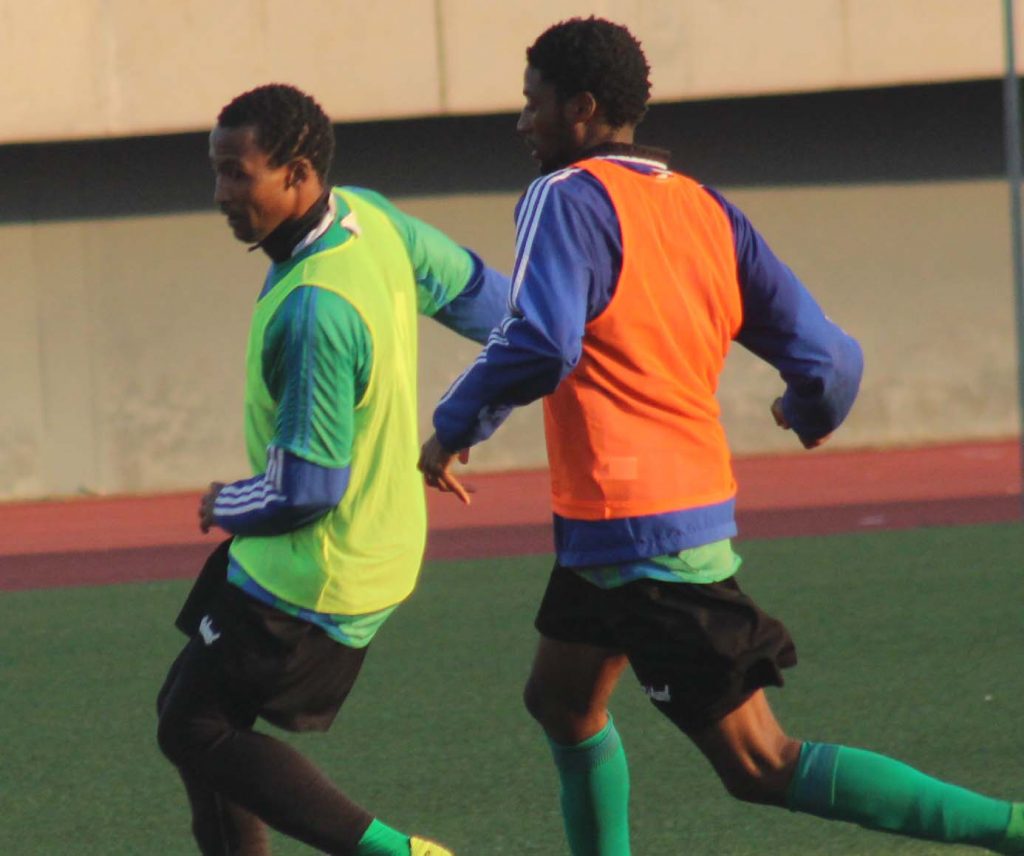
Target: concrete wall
{"x": 125, "y": 301}
{"x": 122, "y": 339}
{"x": 74, "y": 69}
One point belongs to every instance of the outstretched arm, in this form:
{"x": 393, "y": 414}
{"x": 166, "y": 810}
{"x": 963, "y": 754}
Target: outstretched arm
{"x": 453, "y": 284}
{"x": 568, "y": 254}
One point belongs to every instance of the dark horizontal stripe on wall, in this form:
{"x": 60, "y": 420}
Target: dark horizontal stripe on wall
{"x": 929, "y": 132}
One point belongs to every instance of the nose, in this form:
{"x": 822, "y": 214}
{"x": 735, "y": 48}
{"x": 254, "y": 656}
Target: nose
{"x": 523, "y": 124}
{"x": 220, "y": 193}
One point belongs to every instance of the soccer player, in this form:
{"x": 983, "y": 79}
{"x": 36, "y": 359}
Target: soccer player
{"x": 329, "y": 532}
{"x": 630, "y": 282}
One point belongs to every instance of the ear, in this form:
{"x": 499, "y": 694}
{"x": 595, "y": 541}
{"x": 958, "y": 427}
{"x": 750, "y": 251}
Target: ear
{"x": 581, "y": 108}
{"x": 300, "y": 171}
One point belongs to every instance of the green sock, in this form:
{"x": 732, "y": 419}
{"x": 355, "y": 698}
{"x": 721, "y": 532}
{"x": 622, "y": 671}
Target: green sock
{"x": 595, "y": 794}
{"x": 381, "y": 840}
{"x": 876, "y": 792}
{"x": 1013, "y": 841}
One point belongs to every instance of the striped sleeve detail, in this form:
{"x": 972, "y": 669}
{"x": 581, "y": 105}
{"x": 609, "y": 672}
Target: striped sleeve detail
{"x": 567, "y": 252}
{"x": 255, "y": 494}
{"x": 291, "y": 493}
{"x": 303, "y": 332}
{"x": 317, "y": 363}
{"x": 480, "y": 306}
{"x": 527, "y": 221}
{"x": 497, "y": 337}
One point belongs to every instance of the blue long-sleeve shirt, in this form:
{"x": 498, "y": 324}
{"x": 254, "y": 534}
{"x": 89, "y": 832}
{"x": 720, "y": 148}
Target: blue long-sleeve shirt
{"x": 568, "y": 261}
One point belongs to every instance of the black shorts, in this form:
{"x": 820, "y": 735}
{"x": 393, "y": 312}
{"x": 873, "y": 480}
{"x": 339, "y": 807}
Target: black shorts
{"x": 698, "y": 650}
{"x": 248, "y": 659}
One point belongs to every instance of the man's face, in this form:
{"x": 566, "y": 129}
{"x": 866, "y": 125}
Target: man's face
{"x": 255, "y": 196}
{"x": 545, "y": 124}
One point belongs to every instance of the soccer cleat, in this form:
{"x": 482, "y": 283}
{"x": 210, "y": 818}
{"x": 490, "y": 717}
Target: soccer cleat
{"x": 421, "y": 847}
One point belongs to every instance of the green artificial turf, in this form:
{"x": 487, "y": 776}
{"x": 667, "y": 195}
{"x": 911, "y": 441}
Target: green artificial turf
{"x": 910, "y": 643}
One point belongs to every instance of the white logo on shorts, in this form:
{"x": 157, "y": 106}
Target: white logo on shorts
{"x": 664, "y": 694}
{"x": 207, "y": 631}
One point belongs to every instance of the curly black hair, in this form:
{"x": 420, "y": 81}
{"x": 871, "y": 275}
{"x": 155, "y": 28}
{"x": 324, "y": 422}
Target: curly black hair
{"x": 288, "y": 122}
{"x": 596, "y": 56}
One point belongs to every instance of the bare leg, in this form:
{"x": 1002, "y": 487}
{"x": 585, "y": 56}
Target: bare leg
{"x": 750, "y": 752}
{"x": 209, "y": 735}
{"x": 569, "y": 688}
{"x": 757, "y": 762}
{"x": 568, "y": 693}
{"x": 220, "y": 827}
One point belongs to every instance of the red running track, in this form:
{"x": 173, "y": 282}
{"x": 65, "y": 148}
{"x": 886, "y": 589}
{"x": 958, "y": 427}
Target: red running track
{"x": 137, "y": 538}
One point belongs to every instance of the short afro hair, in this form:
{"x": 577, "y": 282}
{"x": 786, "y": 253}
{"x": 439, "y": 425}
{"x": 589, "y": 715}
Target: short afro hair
{"x": 288, "y": 122}
{"x": 596, "y": 56}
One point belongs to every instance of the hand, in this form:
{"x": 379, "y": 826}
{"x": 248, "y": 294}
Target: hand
{"x": 206, "y": 521}
{"x": 435, "y": 461}
{"x": 782, "y": 422}
{"x": 778, "y": 415}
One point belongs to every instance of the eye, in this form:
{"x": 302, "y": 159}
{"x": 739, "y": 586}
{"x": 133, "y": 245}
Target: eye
{"x": 229, "y": 171}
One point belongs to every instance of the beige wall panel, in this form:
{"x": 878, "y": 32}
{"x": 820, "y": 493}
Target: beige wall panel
{"x": 128, "y": 67}
{"x": 920, "y": 274}
{"x": 123, "y": 341}
{"x": 66, "y": 343}
{"x": 749, "y": 46}
{"x": 362, "y": 60}
{"x": 21, "y": 417}
{"x": 52, "y": 78}
{"x": 925, "y": 40}
{"x": 125, "y": 67}
{"x": 715, "y": 48}
{"x": 485, "y": 45}
{"x": 172, "y": 297}
{"x": 331, "y": 49}
{"x": 174, "y": 64}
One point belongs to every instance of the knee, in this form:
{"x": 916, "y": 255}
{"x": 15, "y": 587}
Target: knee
{"x": 170, "y": 737}
{"x": 535, "y": 700}
{"x": 751, "y": 787}
{"x": 548, "y": 708}
{"x": 563, "y": 720}
{"x": 763, "y": 778}
{"x": 182, "y": 738}
{"x": 161, "y": 698}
